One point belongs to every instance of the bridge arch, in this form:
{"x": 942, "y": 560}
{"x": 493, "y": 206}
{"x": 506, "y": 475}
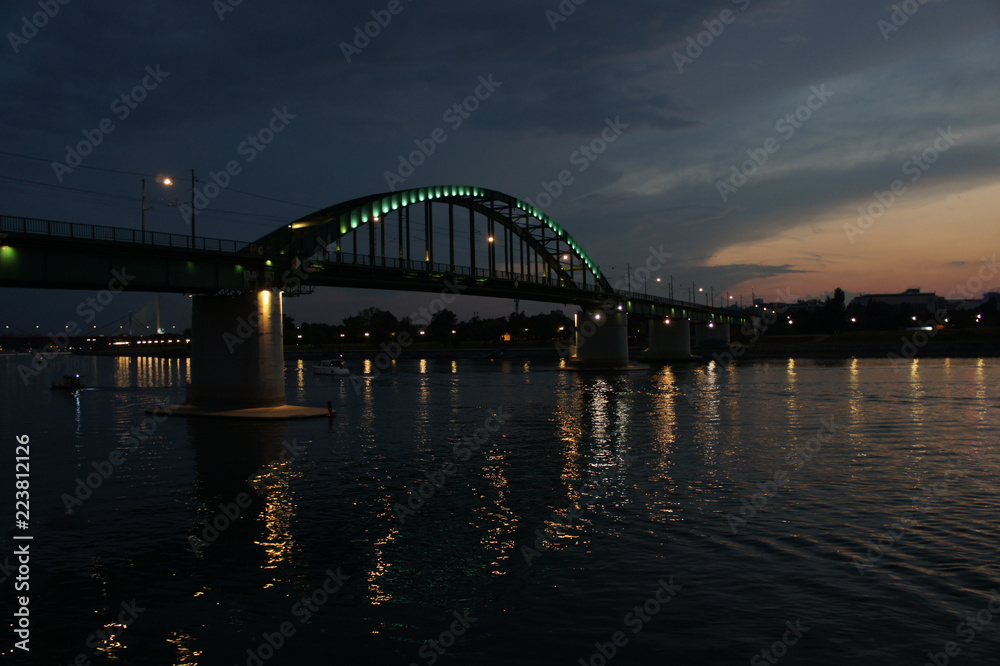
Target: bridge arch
{"x": 532, "y": 242}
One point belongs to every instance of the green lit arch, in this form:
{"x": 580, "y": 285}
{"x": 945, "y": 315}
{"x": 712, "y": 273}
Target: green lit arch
{"x": 330, "y": 224}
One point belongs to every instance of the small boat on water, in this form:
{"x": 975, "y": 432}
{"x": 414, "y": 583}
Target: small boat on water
{"x": 333, "y": 366}
{"x": 68, "y": 383}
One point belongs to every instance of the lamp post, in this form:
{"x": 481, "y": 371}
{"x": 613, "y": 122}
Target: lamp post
{"x": 192, "y": 209}
{"x": 144, "y": 209}
{"x": 165, "y": 181}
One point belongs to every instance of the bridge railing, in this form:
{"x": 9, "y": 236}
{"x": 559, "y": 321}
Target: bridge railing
{"x": 662, "y": 300}
{"x": 97, "y": 232}
{"x": 367, "y": 261}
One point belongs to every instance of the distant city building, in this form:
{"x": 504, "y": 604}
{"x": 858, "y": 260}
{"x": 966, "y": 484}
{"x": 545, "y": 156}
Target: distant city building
{"x": 973, "y": 303}
{"x": 911, "y": 299}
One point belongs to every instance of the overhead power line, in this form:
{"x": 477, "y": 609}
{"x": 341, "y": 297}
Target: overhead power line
{"x": 149, "y": 175}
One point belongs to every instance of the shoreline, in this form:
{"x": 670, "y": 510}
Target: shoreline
{"x": 764, "y": 352}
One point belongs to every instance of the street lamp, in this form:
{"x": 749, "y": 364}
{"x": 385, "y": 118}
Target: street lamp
{"x": 164, "y": 180}
{"x": 167, "y": 181}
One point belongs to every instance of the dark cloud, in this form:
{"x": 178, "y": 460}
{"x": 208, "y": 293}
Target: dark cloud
{"x": 657, "y": 184}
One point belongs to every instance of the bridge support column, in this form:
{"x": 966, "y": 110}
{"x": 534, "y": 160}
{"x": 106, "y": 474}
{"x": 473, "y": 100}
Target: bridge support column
{"x": 669, "y": 339}
{"x": 711, "y": 336}
{"x": 237, "y": 357}
{"x": 601, "y": 339}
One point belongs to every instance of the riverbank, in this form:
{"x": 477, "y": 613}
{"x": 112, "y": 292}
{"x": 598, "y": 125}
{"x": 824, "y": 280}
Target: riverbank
{"x": 956, "y": 343}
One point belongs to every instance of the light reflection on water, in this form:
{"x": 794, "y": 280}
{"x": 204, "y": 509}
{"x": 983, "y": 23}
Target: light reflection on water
{"x": 654, "y": 461}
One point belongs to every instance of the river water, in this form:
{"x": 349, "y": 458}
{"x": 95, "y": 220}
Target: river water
{"x": 801, "y": 512}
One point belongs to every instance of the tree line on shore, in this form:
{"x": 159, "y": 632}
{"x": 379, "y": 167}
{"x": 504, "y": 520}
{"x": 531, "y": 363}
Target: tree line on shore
{"x": 832, "y": 315}
{"x": 375, "y": 326}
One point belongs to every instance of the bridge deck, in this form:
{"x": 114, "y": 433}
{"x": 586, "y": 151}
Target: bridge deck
{"x": 65, "y": 255}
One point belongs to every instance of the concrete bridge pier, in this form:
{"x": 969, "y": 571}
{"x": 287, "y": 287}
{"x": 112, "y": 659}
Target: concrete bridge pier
{"x": 237, "y": 359}
{"x": 669, "y": 340}
{"x": 601, "y": 340}
{"x": 711, "y": 335}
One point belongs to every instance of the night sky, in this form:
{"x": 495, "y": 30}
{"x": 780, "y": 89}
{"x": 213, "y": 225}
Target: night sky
{"x": 743, "y": 136}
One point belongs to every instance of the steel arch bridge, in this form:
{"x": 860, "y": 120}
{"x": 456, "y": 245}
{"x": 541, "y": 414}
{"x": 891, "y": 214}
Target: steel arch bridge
{"x": 471, "y": 240}
{"x": 481, "y": 224}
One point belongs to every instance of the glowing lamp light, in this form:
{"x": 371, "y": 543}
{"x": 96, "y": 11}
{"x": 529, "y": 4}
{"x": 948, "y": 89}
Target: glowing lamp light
{"x": 490, "y": 239}
{"x": 666, "y": 321}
